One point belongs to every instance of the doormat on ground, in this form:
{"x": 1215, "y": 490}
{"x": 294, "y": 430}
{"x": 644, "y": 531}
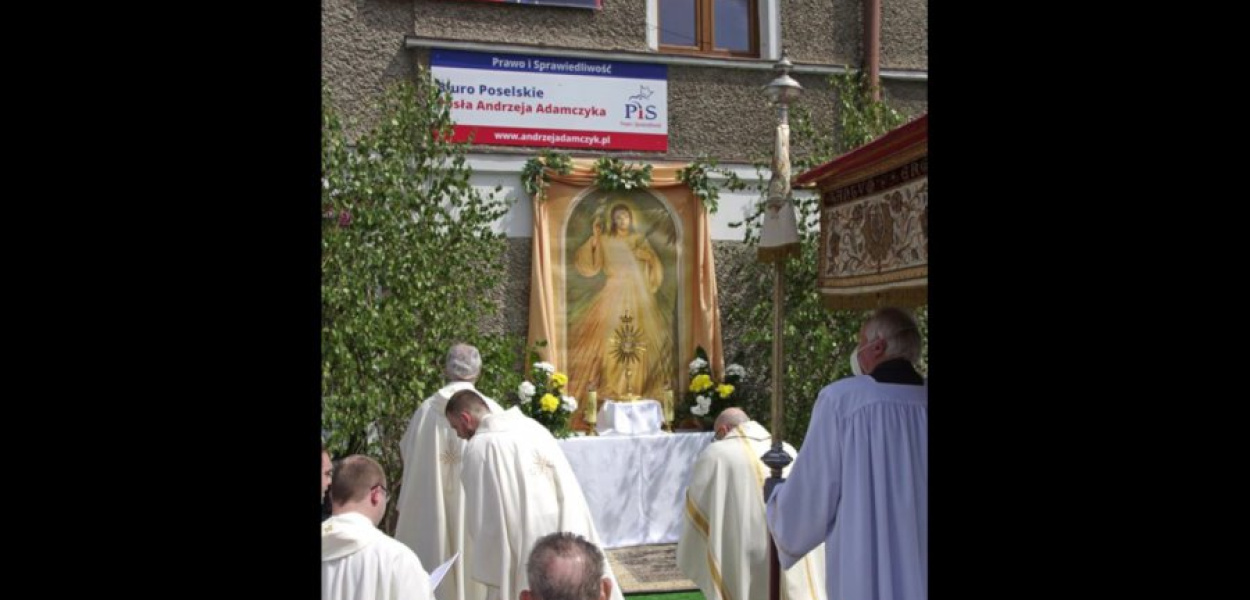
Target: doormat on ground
{"x": 648, "y": 569}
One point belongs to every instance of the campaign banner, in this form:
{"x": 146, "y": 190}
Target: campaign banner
{"x": 520, "y": 100}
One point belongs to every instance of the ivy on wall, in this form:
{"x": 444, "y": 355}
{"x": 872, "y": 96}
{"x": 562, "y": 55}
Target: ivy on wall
{"x": 534, "y": 175}
{"x": 696, "y": 177}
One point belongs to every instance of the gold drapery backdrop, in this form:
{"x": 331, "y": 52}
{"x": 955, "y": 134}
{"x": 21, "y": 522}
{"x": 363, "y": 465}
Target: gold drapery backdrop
{"x": 610, "y": 268}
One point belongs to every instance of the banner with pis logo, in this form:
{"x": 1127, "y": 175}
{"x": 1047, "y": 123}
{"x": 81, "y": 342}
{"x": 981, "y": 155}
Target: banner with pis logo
{"x": 521, "y": 100}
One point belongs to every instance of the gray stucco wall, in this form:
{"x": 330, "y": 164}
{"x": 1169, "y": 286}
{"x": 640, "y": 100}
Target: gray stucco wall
{"x": 362, "y": 51}
{"x": 724, "y": 112}
{"x": 904, "y": 31}
{"x": 819, "y": 31}
{"x": 905, "y": 34}
{"x": 908, "y": 97}
{"x": 621, "y": 25}
{"x": 514, "y": 297}
{"x": 736, "y": 264}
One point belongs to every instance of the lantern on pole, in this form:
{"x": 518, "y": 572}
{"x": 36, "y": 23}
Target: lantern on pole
{"x": 779, "y": 240}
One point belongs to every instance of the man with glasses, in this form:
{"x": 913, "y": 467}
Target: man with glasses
{"x": 359, "y": 561}
{"x": 724, "y": 542}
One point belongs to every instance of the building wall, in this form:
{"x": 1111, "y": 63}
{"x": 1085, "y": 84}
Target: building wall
{"x": 362, "y": 50}
{"x": 905, "y": 34}
{"x": 820, "y": 31}
{"x": 716, "y": 111}
{"x": 724, "y": 113}
{"x": 904, "y": 31}
{"x": 621, "y": 25}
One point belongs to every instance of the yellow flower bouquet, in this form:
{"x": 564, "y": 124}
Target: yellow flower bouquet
{"x": 704, "y": 397}
{"x": 542, "y": 398}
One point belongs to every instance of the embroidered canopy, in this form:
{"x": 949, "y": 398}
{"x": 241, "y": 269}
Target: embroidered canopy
{"x": 874, "y": 221}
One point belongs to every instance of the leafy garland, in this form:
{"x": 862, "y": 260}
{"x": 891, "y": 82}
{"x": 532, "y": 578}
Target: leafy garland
{"x": 614, "y": 175}
{"x": 534, "y": 176}
{"x": 696, "y": 177}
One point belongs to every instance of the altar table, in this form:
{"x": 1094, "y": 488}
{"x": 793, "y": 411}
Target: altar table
{"x": 635, "y": 485}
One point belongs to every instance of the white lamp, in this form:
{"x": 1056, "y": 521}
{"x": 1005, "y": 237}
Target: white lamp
{"x": 779, "y": 234}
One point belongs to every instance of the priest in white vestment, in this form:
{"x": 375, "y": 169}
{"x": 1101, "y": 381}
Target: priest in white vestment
{"x": 724, "y": 542}
{"x": 861, "y": 485}
{"x": 359, "y": 561}
{"x": 518, "y": 488}
{"x": 431, "y": 498}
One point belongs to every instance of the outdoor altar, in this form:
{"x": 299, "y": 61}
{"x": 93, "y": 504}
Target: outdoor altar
{"x": 635, "y": 484}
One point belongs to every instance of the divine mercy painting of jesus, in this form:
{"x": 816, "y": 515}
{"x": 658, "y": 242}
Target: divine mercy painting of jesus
{"x": 621, "y": 292}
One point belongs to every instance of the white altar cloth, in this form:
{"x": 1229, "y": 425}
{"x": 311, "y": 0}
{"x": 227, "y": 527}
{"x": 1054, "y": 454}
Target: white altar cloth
{"x": 635, "y": 485}
{"x": 639, "y": 417}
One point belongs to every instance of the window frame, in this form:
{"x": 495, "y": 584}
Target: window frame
{"x": 705, "y": 22}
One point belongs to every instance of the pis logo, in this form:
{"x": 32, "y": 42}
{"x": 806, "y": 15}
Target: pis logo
{"x": 635, "y": 109}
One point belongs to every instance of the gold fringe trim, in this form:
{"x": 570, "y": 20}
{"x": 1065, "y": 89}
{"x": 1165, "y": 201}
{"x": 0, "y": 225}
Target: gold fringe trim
{"x": 776, "y": 253}
{"x": 900, "y": 297}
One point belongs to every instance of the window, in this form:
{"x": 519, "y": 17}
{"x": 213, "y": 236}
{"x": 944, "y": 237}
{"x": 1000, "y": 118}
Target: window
{"x": 719, "y": 27}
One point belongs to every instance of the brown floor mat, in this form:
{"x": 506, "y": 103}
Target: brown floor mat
{"x": 648, "y": 569}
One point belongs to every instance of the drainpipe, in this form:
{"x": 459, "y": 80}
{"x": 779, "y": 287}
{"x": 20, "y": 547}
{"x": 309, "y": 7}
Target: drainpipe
{"x": 872, "y": 46}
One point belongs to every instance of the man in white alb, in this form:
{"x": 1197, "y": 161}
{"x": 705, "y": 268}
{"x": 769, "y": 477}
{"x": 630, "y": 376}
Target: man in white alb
{"x": 861, "y": 485}
{"x": 431, "y": 499}
{"x": 359, "y": 561}
{"x": 724, "y": 542}
{"x": 518, "y": 487}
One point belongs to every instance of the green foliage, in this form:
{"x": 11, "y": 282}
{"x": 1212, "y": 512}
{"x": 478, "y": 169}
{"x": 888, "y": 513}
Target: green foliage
{"x": 613, "y": 175}
{"x": 861, "y": 119}
{"x": 409, "y": 259}
{"x": 817, "y": 341}
{"x": 534, "y": 176}
{"x": 696, "y": 177}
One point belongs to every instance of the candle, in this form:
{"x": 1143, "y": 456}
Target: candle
{"x": 592, "y": 407}
{"x": 668, "y": 405}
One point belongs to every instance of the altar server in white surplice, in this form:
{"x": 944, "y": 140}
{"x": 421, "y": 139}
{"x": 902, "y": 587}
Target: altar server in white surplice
{"x": 431, "y": 499}
{"x": 724, "y": 541}
{"x": 518, "y": 487}
{"x": 861, "y": 485}
{"x": 358, "y": 561}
